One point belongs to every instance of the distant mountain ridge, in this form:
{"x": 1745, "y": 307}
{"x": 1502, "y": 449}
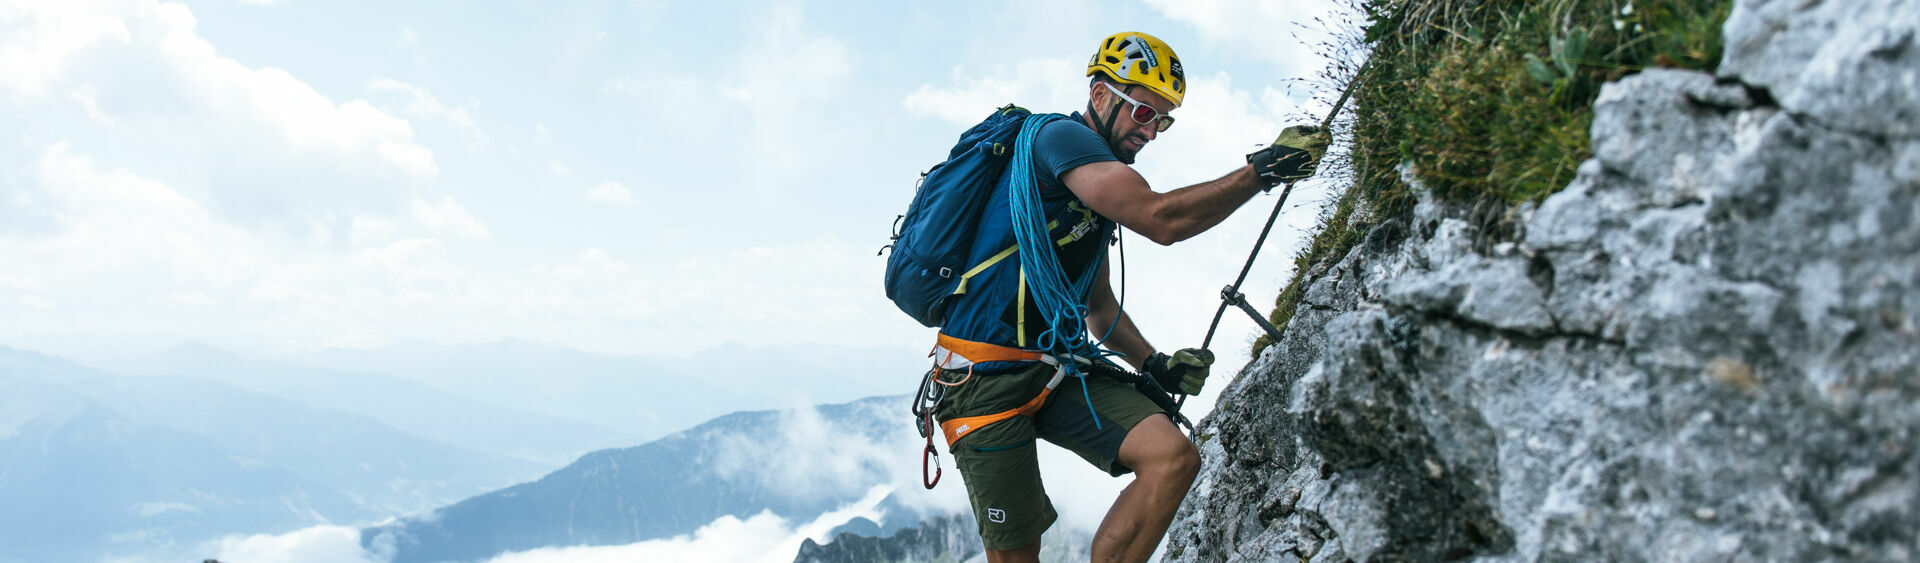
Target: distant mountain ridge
{"x": 606, "y": 388}
{"x": 738, "y": 464}
{"x": 400, "y": 402}
{"x": 94, "y": 464}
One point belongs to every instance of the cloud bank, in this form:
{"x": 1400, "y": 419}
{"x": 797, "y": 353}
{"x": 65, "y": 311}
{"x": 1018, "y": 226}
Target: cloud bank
{"x": 762, "y": 538}
{"x": 335, "y": 544}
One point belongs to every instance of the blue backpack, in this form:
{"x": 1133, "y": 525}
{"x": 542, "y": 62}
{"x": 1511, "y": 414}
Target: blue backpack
{"x": 932, "y": 240}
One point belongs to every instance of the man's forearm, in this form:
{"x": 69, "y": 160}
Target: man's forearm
{"x": 1124, "y": 337}
{"x": 1106, "y": 320}
{"x": 1194, "y": 209}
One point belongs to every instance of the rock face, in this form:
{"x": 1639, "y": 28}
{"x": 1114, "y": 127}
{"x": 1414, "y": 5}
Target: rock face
{"x": 943, "y": 538}
{"x": 950, "y": 538}
{"x": 1703, "y": 349}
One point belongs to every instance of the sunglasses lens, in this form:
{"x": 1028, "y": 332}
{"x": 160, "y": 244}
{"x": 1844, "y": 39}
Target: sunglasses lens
{"x": 1165, "y": 122}
{"x": 1143, "y": 114}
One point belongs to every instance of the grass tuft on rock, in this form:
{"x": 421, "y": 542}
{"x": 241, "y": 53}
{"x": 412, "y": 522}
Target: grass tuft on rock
{"x": 1485, "y": 104}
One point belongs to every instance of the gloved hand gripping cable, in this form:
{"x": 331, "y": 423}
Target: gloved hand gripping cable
{"x": 1294, "y": 155}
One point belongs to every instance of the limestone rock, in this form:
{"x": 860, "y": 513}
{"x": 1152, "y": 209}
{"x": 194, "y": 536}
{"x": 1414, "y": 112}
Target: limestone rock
{"x": 1703, "y": 349}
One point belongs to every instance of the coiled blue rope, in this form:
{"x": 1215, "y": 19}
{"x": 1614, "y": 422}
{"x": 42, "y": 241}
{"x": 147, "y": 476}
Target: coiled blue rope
{"x": 1063, "y": 304}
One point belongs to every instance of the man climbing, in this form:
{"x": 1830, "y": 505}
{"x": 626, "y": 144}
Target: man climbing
{"x": 1000, "y": 392}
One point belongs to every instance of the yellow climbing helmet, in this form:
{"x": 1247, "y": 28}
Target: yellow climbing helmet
{"x": 1131, "y": 57}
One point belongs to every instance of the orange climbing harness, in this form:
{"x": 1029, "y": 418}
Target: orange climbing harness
{"x": 951, "y": 353}
{"x": 955, "y": 354}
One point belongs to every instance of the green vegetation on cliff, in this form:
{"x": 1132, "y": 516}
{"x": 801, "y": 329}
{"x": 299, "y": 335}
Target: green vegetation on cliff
{"x": 1485, "y": 104}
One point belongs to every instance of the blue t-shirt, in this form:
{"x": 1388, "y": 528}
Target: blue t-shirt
{"x": 996, "y": 308}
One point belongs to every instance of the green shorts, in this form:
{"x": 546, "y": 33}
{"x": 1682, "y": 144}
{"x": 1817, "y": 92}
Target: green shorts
{"x": 999, "y": 461}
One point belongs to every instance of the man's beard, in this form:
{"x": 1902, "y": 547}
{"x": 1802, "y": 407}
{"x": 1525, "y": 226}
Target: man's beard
{"x": 1120, "y": 150}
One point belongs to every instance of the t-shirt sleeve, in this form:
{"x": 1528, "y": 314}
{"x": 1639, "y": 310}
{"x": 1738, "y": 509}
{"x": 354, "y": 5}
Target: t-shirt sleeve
{"x": 1062, "y": 146}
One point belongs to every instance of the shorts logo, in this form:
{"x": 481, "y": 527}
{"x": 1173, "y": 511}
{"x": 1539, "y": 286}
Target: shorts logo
{"x": 963, "y": 429}
{"x": 996, "y": 516}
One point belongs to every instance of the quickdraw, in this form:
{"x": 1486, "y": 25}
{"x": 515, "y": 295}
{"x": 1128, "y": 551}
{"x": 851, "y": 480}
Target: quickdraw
{"x": 933, "y": 455}
{"x": 925, "y": 401}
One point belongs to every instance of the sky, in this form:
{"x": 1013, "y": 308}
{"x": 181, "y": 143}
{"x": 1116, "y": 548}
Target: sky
{"x": 632, "y": 177}
{"x": 627, "y": 177}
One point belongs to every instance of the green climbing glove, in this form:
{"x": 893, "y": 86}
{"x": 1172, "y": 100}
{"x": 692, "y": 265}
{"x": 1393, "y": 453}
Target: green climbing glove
{"x": 1292, "y": 157}
{"x": 1185, "y": 370}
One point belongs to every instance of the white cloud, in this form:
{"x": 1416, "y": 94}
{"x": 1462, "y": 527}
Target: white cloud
{"x": 89, "y": 100}
{"x": 43, "y": 36}
{"x": 422, "y": 104}
{"x": 142, "y": 74}
{"x": 271, "y": 98}
{"x": 261, "y": 205}
{"x": 1032, "y": 83}
{"x": 764, "y": 538}
{"x": 128, "y": 253}
{"x": 446, "y": 217}
{"x": 791, "y": 68}
{"x": 368, "y": 230}
{"x": 1259, "y": 30}
{"x": 124, "y": 254}
{"x": 818, "y": 459}
{"x": 191, "y": 299}
{"x": 610, "y": 192}
{"x": 113, "y": 216}
{"x": 336, "y": 544}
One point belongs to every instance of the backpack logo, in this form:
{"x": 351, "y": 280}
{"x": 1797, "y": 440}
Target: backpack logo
{"x": 996, "y": 516}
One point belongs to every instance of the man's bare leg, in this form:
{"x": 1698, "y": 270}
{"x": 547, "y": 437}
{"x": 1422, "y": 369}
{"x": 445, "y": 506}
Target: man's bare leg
{"x": 1164, "y": 463}
{"x": 1028, "y": 554}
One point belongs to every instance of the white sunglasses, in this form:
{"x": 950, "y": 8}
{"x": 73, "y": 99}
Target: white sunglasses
{"x": 1142, "y": 113}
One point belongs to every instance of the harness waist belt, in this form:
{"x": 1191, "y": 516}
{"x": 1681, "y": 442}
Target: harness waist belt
{"x": 954, "y": 353}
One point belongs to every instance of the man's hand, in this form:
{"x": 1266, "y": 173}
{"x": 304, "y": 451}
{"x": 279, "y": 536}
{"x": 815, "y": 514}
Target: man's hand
{"x": 1185, "y": 370}
{"x": 1292, "y": 157}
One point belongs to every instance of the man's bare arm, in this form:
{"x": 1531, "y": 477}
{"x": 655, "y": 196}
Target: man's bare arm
{"x": 1118, "y": 192}
{"x": 1103, "y": 311}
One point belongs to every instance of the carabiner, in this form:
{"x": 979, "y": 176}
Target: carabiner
{"x": 934, "y": 455}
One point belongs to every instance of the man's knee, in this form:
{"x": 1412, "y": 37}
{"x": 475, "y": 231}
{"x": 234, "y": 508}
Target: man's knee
{"x": 1156, "y": 447}
{"x": 1183, "y": 461}
{"x": 1189, "y": 459}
